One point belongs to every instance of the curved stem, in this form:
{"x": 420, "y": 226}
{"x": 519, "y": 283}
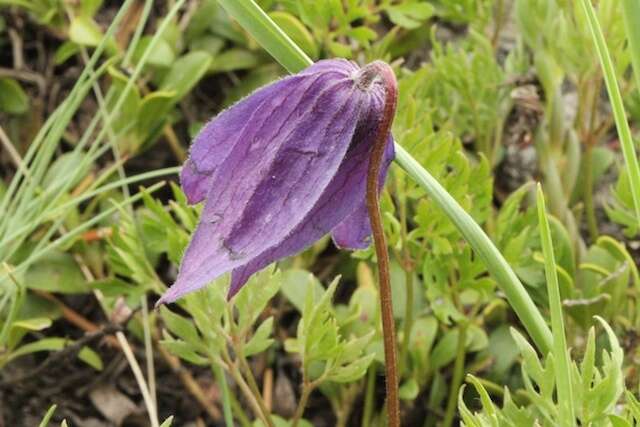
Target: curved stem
{"x": 379, "y": 69}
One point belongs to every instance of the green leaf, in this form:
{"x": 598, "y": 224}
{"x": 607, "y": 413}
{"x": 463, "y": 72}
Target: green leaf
{"x": 153, "y": 111}
{"x": 57, "y": 272}
{"x": 234, "y": 59}
{"x": 179, "y": 326}
{"x": 297, "y": 31}
{"x": 162, "y": 54}
{"x": 260, "y": 340}
{"x": 113, "y": 287}
{"x": 351, "y": 372}
{"x": 85, "y": 31}
{"x": 185, "y": 73}
{"x": 167, "y": 422}
{"x": 65, "y": 51}
{"x": 54, "y": 344}
{"x": 255, "y": 295}
{"x": 185, "y": 351}
{"x": 618, "y": 421}
{"x": 208, "y": 43}
{"x": 409, "y": 390}
{"x": 410, "y": 15}
{"x": 445, "y": 350}
{"x": 13, "y": 99}
{"x": 34, "y": 324}
{"x": 90, "y": 7}
{"x": 47, "y": 417}
{"x": 296, "y": 284}
{"x": 487, "y": 405}
{"x": 91, "y": 358}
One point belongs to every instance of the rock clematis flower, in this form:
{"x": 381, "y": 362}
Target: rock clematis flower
{"x": 279, "y": 170}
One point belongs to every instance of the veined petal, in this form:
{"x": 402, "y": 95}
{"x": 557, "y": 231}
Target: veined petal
{"x": 220, "y": 135}
{"x": 273, "y": 175}
{"x": 342, "y": 200}
{"x": 354, "y": 232}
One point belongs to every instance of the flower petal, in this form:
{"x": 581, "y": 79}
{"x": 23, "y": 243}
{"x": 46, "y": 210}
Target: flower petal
{"x": 219, "y": 136}
{"x": 340, "y": 201}
{"x": 273, "y": 176}
{"x": 354, "y": 232}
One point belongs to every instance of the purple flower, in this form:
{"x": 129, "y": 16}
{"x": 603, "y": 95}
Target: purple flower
{"x": 279, "y": 170}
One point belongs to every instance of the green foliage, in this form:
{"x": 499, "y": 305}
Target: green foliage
{"x": 12, "y": 97}
{"x": 325, "y": 354}
{"x": 460, "y": 76}
{"x": 597, "y": 385}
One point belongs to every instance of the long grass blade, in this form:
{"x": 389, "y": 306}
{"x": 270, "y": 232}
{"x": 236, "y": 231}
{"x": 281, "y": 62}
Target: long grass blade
{"x": 624, "y": 132}
{"x": 560, "y": 351}
{"x": 271, "y": 37}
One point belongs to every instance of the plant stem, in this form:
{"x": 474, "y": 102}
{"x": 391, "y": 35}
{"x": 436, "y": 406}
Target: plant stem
{"x": 407, "y": 266}
{"x": 226, "y": 399}
{"x": 368, "y": 397}
{"x": 253, "y": 400}
{"x": 253, "y": 385}
{"x": 458, "y": 373}
{"x": 239, "y": 412}
{"x": 408, "y": 319}
{"x": 381, "y": 70}
{"x": 148, "y": 351}
{"x": 142, "y": 384}
{"x": 307, "y": 388}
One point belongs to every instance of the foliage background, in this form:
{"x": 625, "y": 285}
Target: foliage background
{"x": 493, "y": 96}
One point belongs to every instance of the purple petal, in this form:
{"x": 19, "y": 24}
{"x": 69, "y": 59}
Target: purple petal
{"x": 273, "y": 175}
{"x": 220, "y": 135}
{"x": 354, "y": 231}
{"x": 342, "y": 200}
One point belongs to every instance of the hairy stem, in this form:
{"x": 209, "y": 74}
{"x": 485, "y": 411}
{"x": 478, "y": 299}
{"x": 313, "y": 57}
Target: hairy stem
{"x": 380, "y": 70}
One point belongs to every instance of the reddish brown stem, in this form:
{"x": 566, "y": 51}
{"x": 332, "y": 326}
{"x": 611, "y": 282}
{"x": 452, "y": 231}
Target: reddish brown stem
{"x": 382, "y": 71}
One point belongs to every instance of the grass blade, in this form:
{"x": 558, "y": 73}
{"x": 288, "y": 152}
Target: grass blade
{"x": 271, "y": 37}
{"x": 624, "y": 133}
{"x": 560, "y": 352}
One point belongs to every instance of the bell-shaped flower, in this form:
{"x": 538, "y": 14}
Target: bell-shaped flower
{"x": 279, "y": 170}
